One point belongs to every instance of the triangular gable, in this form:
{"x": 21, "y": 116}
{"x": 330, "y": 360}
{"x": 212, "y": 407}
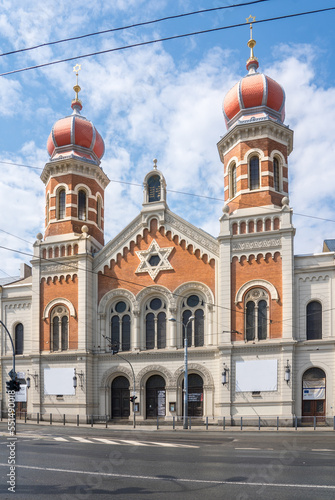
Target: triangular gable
{"x": 200, "y": 241}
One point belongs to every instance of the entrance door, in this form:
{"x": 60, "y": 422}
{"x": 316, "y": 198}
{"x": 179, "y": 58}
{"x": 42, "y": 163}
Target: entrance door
{"x": 155, "y": 397}
{"x": 195, "y": 396}
{"x": 313, "y": 395}
{"x": 120, "y": 398}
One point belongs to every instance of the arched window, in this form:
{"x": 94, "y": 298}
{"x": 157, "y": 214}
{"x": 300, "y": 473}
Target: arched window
{"x": 276, "y": 175}
{"x": 314, "y": 320}
{"x": 254, "y": 172}
{"x": 19, "y": 339}
{"x": 61, "y": 203}
{"x": 120, "y": 325}
{"x": 82, "y": 205}
{"x": 154, "y": 188}
{"x": 99, "y": 211}
{"x": 59, "y": 329}
{"x": 256, "y": 314}
{"x": 155, "y": 324}
{"x": 233, "y": 181}
{"x": 193, "y": 306}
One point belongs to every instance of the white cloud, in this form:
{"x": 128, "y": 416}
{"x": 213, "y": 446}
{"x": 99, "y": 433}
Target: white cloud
{"x": 148, "y": 103}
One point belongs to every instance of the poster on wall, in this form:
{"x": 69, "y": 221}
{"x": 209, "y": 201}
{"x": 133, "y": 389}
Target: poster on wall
{"x": 256, "y": 375}
{"x": 59, "y": 381}
{"x": 21, "y": 395}
{"x": 314, "y": 389}
{"x": 161, "y": 403}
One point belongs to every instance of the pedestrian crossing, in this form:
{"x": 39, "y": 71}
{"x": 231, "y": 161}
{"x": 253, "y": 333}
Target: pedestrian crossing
{"x": 119, "y": 442}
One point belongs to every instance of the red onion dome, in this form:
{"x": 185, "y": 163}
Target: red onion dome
{"x": 254, "y": 97}
{"x": 75, "y": 136}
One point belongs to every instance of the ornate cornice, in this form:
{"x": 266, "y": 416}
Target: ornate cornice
{"x": 205, "y": 243}
{"x": 73, "y": 166}
{"x": 255, "y": 130}
{"x": 259, "y": 244}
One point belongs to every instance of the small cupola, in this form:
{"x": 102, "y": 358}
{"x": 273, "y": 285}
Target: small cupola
{"x": 154, "y": 187}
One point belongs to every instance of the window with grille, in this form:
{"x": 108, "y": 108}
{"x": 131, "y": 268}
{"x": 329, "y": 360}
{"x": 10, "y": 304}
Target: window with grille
{"x": 256, "y": 314}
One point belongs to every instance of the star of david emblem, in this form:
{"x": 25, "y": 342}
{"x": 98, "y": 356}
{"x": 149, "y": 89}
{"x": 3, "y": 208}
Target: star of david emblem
{"x": 154, "y": 259}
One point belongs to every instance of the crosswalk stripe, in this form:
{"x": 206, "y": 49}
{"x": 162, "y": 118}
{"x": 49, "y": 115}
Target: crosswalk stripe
{"x": 135, "y": 443}
{"x": 165, "y": 445}
{"x": 81, "y": 440}
{"x": 60, "y": 439}
{"x": 106, "y": 441}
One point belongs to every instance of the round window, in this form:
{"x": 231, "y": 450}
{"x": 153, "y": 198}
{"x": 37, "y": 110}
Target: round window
{"x": 156, "y": 304}
{"x": 193, "y": 301}
{"x": 120, "y": 307}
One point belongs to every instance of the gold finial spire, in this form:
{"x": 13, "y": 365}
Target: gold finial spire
{"x": 76, "y": 88}
{"x": 252, "y": 62}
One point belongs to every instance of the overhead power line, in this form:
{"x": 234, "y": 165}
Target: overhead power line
{"x": 136, "y": 25}
{"x": 195, "y": 195}
{"x": 174, "y": 37}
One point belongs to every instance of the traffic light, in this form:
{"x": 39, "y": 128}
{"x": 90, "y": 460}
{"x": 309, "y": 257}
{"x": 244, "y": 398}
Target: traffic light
{"x": 132, "y": 398}
{"x": 12, "y": 385}
{"x": 16, "y": 385}
{"x": 9, "y": 385}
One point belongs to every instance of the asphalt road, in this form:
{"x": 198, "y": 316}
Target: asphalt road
{"x": 84, "y": 463}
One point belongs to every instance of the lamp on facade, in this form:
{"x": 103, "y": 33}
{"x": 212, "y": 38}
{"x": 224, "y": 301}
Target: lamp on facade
{"x": 287, "y": 376}
{"x": 81, "y": 376}
{"x": 191, "y": 318}
{"x": 225, "y": 375}
{"x": 35, "y": 377}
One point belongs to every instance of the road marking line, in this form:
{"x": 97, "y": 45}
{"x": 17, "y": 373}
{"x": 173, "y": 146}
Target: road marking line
{"x": 81, "y": 440}
{"x": 171, "y": 445}
{"x": 106, "y": 441}
{"x": 134, "y": 443}
{"x": 60, "y": 439}
{"x": 247, "y": 448}
{"x": 174, "y": 479}
{"x": 320, "y": 449}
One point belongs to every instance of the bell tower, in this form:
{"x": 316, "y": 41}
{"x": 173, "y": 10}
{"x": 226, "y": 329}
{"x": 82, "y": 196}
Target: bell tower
{"x": 74, "y": 181}
{"x": 256, "y": 234}
{"x": 256, "y": 147}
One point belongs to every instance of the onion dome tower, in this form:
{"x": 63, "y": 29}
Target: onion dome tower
{"x": 255, "y": 149}
{"x": 74, "y": 180}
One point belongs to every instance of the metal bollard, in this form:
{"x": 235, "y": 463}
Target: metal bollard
{"x": 25, "y": 417}
{"x": 206, "y": 423}
{"x": 241, "y": 423}
{"x": 173, "y": 422}
{"x": 63, "y": 418}
{"x": 50, "y": 418}
{"x": 259, "y": 423}
{"x": 91, "y": 420}
{"x": 38, "y": 418}
{"x": 77, "y": 420}
{"x": 224, "y": 423}
{"x": 334, "y": 424}
{"x": 157, "y": 422}
{"x": 190, "y": 423}
{"x": 106, "y": 421}
{"x": 277, "y": 422}
{"x": 314, "y": 422}
{"x": 296, "y": 423}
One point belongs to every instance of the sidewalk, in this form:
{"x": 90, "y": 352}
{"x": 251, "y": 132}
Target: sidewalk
{"x": 141, "y": 426}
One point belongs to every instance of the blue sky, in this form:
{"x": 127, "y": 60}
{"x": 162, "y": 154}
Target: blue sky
{"x": 162, "y": 101}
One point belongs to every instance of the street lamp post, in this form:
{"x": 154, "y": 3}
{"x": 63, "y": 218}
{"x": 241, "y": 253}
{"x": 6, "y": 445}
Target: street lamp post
{"x": 191, "y": 318}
